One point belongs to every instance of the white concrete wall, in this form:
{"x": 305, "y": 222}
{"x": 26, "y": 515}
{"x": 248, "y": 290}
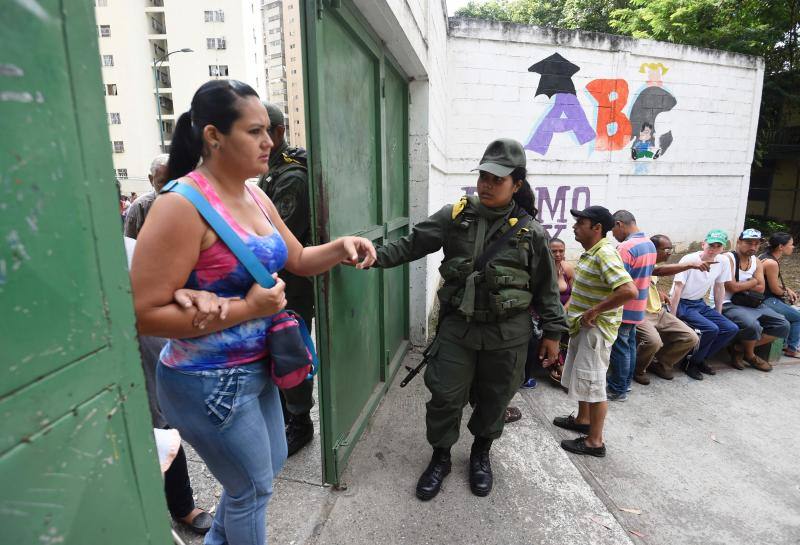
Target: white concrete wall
{"x": 701, "y": 180}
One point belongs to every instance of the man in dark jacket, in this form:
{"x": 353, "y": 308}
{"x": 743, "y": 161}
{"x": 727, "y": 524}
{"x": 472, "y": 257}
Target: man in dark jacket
{"x": 286, "y": 184}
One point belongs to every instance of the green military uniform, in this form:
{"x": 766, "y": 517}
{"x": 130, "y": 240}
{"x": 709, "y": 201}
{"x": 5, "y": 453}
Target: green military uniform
{"x": 286, "y": 184}
{"x": 484, "y": 323}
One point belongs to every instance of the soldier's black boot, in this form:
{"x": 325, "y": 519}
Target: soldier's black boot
{"x": 480, "y": 468}
{"x": 299, "y": 432}
{"x": 430, "y": 482}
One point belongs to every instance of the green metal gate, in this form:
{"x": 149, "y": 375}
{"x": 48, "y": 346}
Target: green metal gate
{"x": 77, "y": 461}
{"x": 357, "y": 112}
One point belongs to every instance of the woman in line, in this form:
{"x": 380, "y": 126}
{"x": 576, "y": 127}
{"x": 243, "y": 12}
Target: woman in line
{"x": 213, "y": 384}
{"x": 776, "y": 294}
{"x": 496, "y": 265}
{"x": 566, "y": 275}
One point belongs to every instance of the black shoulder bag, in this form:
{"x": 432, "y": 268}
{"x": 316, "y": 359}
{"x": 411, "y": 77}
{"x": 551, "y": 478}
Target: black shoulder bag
{"x": 748, "y": 298}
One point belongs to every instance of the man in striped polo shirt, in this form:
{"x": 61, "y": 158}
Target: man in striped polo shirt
{"x": 601, "y": 287}
{"x": 638, "y": 255}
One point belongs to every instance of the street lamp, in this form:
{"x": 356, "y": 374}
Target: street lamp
{"x": 156, "y": 62}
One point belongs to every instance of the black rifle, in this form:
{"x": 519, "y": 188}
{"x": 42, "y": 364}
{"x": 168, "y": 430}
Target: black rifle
{"x": 414, "y": 371}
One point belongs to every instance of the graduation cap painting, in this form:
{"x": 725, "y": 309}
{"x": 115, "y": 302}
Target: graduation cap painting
{"x": 566, "y": 114}
{"x": 556, "y": 72}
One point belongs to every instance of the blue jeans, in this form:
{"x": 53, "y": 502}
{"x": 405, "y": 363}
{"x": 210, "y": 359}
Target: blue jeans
{"x": 233, "y": 419}
{"x": 716, "y": 330}
{"x": 623, "y": 360}
{"x": 791, "y": 314}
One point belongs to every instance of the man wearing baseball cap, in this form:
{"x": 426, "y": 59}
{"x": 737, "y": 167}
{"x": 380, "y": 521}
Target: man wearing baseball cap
{"x": 689, "y": 289}
{"x": 744, "y": 303}
{"x": 600, "y": 289}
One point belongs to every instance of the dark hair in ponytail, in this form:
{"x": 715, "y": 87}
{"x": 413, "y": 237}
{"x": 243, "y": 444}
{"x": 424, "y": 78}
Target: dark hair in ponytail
{"x": 524, "y": 195}
{"x": 778, "y": 239}
{"x": 214, "y": 103}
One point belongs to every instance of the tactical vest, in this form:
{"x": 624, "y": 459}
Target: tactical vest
{"x": 502, "y": 288}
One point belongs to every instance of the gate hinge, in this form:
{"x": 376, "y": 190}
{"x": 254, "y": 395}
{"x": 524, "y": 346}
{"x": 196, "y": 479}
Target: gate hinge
{"x": 383, "y": 87}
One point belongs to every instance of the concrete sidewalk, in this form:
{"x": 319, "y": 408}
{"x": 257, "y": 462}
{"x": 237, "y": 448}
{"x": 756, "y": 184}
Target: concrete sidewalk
{"x": 689, "y": 462}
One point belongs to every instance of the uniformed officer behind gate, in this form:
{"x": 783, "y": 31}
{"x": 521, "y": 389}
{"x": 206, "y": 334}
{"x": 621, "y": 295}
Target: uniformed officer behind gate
{"x": 496, "y": 264}
{"x": 286, "y": 184}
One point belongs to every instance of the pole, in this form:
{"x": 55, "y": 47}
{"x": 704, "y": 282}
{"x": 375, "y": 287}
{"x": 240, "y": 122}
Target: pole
{"x": 156, "y": 62}
{"x": 158, "y": 103}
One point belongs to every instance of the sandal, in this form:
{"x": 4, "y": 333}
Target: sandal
{"x": 789, "y": 353}
{"x": 555, "y": 375}
{"x": 512, "y": 414}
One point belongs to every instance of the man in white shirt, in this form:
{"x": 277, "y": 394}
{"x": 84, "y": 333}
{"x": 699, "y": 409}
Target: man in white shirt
{"x": 758, "y": 324}
{"x": 689, "y": 289}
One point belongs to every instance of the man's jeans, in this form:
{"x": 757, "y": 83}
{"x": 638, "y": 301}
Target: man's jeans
{"x": 233, "y": 419}
{"x": 791, "y": 314}
{"x": 623, "y": 360}
{"x": 716, "y": 331}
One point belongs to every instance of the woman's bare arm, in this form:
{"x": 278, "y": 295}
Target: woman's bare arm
{"x": 313, "y": 260}
{"x": 167, "y": 250}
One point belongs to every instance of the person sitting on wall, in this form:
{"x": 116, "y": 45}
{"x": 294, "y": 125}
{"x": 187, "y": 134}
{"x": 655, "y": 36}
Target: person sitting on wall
{"x": 663, "y": 340}
{"x": 776, "y": 295}
{"x": 687, "y": 300}
{"x": 743, "y": 303}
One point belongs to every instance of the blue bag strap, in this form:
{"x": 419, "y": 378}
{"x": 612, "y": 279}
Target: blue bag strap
{"x": 236, "y": 245}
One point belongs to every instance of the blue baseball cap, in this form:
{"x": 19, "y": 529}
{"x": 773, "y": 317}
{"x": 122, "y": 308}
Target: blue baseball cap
{"x": 750, "y": 234}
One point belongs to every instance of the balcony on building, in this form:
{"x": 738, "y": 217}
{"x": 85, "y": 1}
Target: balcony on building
{"x": 164, "y": 79}
{"x": 156, "y": 26}
{"x": 166, "y": 106}
{"x": 153, "y": 6}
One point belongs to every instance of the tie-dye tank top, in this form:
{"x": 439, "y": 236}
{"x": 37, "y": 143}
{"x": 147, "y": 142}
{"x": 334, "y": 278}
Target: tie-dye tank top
{"x": 218, "y": 271}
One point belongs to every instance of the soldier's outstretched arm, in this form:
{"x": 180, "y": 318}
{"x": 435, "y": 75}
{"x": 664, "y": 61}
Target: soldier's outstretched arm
{"x": 544, "y": 287}
{"x": 425, "y": 238}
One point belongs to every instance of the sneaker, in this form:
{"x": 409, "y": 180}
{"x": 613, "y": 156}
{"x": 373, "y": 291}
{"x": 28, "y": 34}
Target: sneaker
{"x": 617, "y": 397}
{"x": 759, "y": 363}
{"x": 529, "y": 384}
{"x": 568, "y": 423}
{"x": 579, "y": 446}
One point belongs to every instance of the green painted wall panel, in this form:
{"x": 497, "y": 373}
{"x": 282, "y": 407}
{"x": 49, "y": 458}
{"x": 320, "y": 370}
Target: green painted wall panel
{"x": 358, "y": 142}
{"x": 77, "y": 458}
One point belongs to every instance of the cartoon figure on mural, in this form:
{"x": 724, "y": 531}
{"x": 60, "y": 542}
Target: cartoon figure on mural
{"x": 651, "y": 101}
{"x": 614, "y": 130}
{"x": 644, "y": 144}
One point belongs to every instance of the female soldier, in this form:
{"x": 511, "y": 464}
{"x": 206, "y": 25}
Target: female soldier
{"x": 496, "y": 264}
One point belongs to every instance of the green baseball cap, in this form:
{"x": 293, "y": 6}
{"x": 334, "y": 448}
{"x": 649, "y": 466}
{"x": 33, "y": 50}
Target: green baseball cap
{"x": 717, "y": 235}
{"x": 502, "y": 156}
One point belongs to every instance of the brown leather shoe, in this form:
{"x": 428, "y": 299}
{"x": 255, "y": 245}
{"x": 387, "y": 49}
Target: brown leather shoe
{"x": 659, "y": 370}
{"x": 642, "y": 378}
{"x": 736, "y": 357}
{"x": 759, "y": 363}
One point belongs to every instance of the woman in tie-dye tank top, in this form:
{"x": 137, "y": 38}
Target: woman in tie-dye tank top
{"x": 213, "y": 385}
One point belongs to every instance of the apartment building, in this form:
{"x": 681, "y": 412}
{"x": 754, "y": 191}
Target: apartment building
{"x": 283, "y": 63}
{"x": 154, "y": 55}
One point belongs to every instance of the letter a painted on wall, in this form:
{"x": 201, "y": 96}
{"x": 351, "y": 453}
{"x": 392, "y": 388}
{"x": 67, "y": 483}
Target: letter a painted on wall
{"x": 566, "y": 114}
{"x": 611, "y": 96}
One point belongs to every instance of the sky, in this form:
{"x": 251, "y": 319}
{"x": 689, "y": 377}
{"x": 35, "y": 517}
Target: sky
{"x": 453, "y": 5}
